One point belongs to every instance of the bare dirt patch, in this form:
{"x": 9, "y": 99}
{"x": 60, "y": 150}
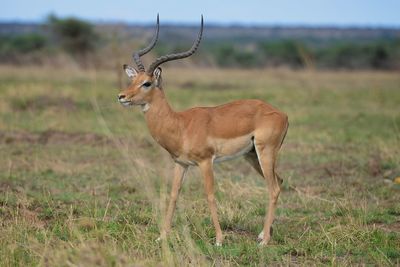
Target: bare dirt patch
{"x": 44, "y": 102}
{"x": 53, "y": 137}
{"x": 393, "y": 227}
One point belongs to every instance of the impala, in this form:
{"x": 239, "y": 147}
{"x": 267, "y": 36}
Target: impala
{"x": 202, "y": 136}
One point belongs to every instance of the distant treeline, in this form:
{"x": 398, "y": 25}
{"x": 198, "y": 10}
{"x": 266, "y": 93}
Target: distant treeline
{"x": 297, "y": 54}
{"x": 84, "y": 43}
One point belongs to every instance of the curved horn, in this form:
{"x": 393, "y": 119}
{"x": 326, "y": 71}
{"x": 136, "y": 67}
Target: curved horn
{"x": 138, "y": 54}
{"x": 170, "y": 57}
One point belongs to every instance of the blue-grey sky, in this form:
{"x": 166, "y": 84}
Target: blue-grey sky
{"x": 277, "y": 12}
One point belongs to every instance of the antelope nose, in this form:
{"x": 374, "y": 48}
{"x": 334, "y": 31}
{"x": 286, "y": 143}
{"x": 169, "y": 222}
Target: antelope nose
{"x": 121, "y": 96}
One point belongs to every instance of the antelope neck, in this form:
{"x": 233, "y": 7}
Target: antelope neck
{"x": 163, "y": 122}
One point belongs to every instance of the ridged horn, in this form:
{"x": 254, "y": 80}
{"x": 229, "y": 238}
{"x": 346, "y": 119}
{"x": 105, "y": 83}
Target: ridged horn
{"x": 171, "y": 57}
{"x": 138, "y": 54}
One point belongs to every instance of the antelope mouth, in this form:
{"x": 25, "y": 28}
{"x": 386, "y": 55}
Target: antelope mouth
{"x": 125, "y": 103}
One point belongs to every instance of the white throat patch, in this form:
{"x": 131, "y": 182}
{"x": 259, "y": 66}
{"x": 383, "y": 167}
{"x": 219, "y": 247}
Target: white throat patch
{"x": 145, "y": 107}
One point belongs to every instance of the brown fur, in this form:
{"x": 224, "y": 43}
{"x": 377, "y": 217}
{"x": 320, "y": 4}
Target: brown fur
{"x": 199, "y": 136}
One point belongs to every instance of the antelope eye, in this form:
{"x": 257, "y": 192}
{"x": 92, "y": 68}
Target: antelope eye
{"x": 146, "y": 84}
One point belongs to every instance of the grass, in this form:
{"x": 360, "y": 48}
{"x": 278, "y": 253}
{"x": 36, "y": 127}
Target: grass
{"x": 83, "y": 183}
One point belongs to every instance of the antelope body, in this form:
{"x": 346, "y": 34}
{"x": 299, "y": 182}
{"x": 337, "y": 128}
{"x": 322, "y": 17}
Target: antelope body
{"x": 202, "y": 136}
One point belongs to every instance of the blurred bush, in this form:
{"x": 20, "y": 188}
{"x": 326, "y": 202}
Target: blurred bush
{"x": 286, "y": 52}
{"x": 378, "y": 55}
{"x": 22, "y": 43}
{"x": 12, "y": 47}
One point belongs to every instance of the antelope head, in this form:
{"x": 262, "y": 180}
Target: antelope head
{"x": 143, "y": 83}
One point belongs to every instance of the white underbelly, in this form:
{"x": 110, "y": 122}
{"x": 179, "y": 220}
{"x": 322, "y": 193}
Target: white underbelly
{"x": 184, "y": 161}
{"x": 227, "y": 149}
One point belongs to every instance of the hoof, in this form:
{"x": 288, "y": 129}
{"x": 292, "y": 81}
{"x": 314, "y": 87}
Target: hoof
{"x": 162, "y": 237}
{"x": 263, "y": 243}
{"x": 260, "y": 236}
{"x": 219, "y": 240}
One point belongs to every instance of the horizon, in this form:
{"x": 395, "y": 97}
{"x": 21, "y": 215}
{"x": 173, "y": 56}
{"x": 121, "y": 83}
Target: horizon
{"x": 308, "y": 13}
{"x": 212, "y": 24}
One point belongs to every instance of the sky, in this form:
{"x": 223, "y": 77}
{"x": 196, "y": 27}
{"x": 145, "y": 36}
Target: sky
{"x": 372, "y": 13}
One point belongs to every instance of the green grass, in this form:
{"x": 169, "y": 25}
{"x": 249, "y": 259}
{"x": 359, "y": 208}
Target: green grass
{"x": 83, "y": 183}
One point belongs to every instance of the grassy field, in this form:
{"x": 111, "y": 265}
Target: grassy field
{"x": 83, "y": 184}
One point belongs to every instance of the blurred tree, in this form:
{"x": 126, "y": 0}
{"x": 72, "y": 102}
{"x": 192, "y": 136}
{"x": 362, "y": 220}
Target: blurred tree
{"x": 380, "y": 57}
{"x": 76, "y": 36}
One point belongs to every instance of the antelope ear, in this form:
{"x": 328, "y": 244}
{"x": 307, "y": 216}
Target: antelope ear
{"x": 157, "y": 76}
{"x": 130, "y": 71}
{"x": 157, "y": 73}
